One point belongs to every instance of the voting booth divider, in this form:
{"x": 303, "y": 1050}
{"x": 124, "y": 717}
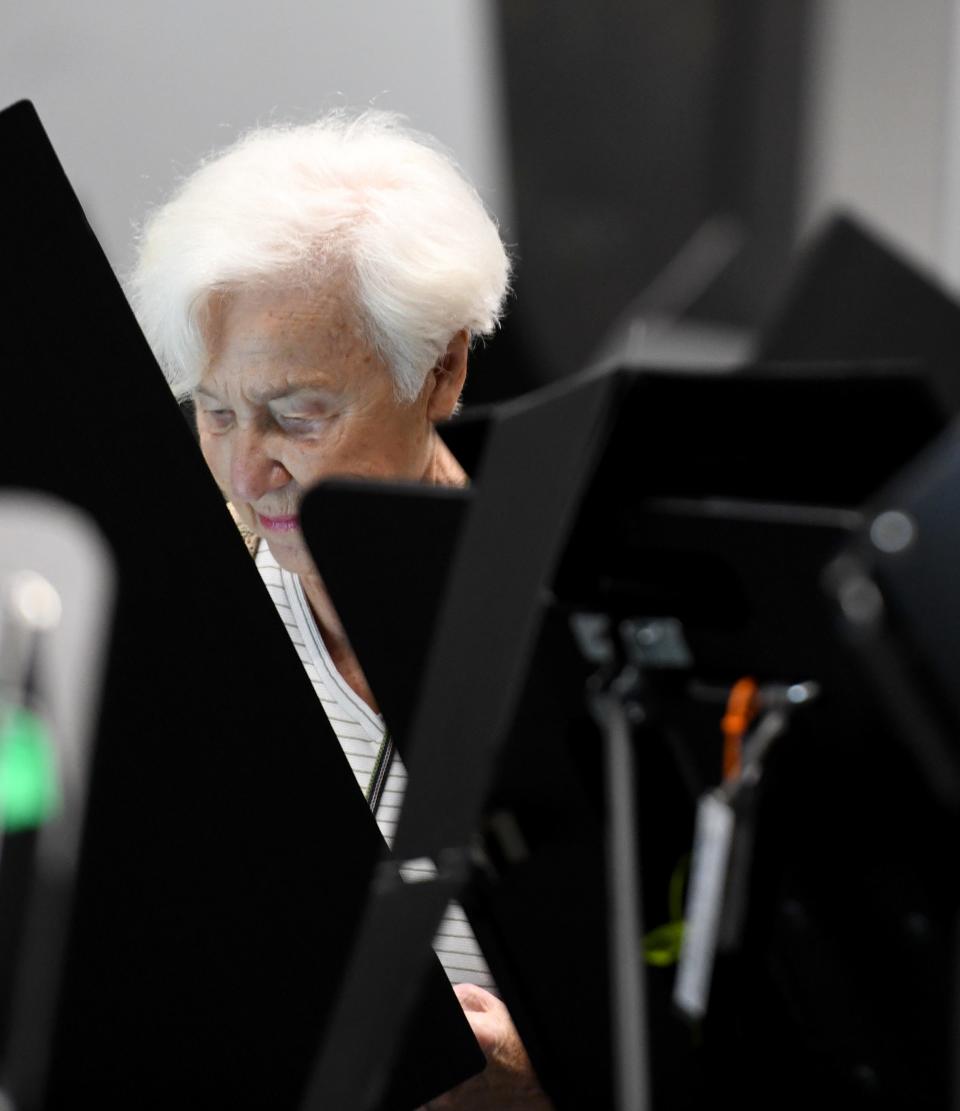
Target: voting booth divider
{"x": 674, "y": 679}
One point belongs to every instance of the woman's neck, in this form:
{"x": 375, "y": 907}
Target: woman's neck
{"x": 335, "y": 639}
{"x": 442, "y": 470}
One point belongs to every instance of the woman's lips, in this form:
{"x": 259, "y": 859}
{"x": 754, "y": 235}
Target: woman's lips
{"x": 279, "y": 524}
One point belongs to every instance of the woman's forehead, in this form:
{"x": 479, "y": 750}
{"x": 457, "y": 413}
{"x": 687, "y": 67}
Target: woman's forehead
{"x": 283, "y": 339}
{"x": 271, "y": 312}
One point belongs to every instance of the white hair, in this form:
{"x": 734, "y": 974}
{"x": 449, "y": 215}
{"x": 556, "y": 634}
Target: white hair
{"x": 360, "y": 197}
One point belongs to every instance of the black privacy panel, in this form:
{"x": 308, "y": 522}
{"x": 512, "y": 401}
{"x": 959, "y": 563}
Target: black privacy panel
{"x": 227, "y": 849}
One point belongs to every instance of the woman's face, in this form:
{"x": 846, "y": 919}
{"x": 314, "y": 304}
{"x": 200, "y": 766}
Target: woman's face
{"x": 292, "y": 393}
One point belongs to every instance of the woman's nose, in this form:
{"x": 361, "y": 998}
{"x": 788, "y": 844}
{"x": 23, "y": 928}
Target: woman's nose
{"x": 254, "y": 468}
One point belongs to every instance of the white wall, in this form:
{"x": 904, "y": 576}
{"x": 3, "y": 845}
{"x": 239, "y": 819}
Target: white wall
{"x": 133, "y": 92}
{"x": 881, "y": 125}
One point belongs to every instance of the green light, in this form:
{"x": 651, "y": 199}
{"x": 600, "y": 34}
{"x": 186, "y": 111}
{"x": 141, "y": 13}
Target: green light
{"x": 661, "y": 946}
{"x": 28, "y": 778}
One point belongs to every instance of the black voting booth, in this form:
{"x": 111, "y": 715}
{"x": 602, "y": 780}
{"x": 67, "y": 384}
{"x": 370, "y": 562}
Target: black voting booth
{"x": 824, "y": 992}
{"x": 854, "y": 298}
{"x": 719, "y": 504}
{"x": 206, "y": 953}
{"x": 227, "y": 851}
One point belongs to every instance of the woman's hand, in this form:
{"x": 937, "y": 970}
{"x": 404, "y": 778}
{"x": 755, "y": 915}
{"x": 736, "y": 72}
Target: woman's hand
{"x": 508, "y": 1083}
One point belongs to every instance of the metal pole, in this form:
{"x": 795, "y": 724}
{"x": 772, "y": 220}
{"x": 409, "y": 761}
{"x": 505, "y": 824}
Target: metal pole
{"x": 625, "y": 937}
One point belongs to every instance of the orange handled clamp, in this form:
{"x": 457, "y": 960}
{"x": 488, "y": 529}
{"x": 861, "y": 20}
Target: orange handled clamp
{"x": 741, "y": 710}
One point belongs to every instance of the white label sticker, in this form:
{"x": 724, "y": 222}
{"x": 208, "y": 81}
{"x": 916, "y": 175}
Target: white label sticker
{"x": 708, "y": 880}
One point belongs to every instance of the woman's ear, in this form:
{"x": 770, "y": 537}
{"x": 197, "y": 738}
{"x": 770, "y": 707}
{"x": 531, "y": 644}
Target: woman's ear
{"x": 449, "y": 375}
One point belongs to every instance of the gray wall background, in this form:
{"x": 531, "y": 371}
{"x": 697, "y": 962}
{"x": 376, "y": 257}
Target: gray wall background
{"x": 883, "y": 122}
{"x": 133, "y": 92}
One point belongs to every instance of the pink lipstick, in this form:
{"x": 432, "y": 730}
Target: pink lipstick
{"x": 279, "y": 524}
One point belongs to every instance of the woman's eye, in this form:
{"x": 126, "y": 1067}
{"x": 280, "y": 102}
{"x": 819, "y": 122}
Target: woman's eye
{"x": 296, "y": 424}
{"x": 219, "y": 418}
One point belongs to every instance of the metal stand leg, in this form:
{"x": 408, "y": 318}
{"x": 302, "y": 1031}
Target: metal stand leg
{"x": 627, "y": 987}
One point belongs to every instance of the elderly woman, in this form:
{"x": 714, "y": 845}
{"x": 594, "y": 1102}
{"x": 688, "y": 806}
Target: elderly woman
{"x": 316, "y": 290}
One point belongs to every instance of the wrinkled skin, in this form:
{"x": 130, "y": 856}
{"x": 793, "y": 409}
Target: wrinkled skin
{"x": 508, "y": 1083}
{"x": 293, "y": 393}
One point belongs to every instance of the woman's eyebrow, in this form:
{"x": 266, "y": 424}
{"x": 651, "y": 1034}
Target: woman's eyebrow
{"x": 275, "y": 393}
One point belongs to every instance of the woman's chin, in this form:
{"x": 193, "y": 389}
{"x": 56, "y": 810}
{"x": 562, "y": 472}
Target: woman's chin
{"x": 291, "y": 554}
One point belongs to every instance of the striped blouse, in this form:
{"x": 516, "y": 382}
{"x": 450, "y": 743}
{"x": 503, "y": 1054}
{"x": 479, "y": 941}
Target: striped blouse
{"x": 379, "y": 771}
